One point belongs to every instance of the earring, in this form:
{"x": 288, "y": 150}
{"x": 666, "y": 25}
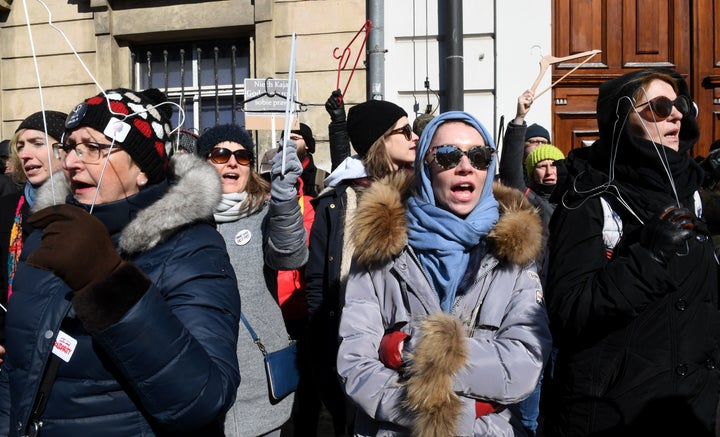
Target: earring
{"x": 143, "y": 182}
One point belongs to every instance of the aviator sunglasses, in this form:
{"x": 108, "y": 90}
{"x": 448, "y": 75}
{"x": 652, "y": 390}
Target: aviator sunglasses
{"x": 221, "y": 155}
{"x": 448, "y": 156}
{"x": 662, "y": 106}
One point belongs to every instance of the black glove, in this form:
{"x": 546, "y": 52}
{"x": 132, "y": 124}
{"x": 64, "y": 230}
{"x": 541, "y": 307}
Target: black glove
{"x": 75, "y": 246}
{"x": 335, "y": 107}
{"x": 666, "y": 234}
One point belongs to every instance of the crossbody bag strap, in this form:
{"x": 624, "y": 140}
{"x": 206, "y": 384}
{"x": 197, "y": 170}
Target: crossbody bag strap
{"x": 254, "y": 336}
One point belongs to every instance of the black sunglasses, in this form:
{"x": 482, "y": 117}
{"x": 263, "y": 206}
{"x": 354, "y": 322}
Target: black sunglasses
{"x": 405, "y": 130}
{"x": 662, "y": 106}
{"x": 221, "y": 155}
{"x": 448, "y": 156}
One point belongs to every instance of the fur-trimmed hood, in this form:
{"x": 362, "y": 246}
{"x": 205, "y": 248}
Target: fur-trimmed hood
{"x": 379, "y": 227}
{"x": 194, "y": 193}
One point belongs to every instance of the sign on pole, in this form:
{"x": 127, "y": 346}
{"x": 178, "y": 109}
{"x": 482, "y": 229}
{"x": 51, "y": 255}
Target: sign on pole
{"x": 265, "y": 100}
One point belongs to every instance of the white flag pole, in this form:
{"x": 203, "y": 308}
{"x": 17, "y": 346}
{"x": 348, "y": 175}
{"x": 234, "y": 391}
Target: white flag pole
{"x": 289, "y": 103}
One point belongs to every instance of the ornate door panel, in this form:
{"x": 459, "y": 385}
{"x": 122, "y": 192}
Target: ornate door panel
{"x": 706, "y": 85}
{"x": 632, "y": 34}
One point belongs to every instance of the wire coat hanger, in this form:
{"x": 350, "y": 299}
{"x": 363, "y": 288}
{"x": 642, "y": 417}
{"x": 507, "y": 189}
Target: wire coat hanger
{"x": 548, "y": 60}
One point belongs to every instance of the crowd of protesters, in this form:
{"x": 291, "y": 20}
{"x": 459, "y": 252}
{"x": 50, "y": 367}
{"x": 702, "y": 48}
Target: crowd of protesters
{"x": 428, "y": 284}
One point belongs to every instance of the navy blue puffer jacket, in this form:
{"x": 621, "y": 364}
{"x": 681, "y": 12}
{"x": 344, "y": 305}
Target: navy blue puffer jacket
{"x": 168, "y": 366}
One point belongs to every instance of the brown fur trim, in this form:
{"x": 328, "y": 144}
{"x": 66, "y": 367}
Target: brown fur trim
{"x": 517, "y": 237}
{"x": 105, "y": 303}
{"x": 378, "y": 229}
{"x": 441, "y": 351}
{"x": 379, "y": 226}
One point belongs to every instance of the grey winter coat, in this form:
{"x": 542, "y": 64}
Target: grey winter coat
{"x": 274, "y": 239}
{"x": 495, "y": 355}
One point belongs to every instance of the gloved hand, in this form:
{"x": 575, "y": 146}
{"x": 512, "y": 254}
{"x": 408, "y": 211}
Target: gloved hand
{"x": 335, "y": 107}
{"x": 282, "y": 186}
{"x": 391, "y": 347}
{"x": 75, "y": 246}
{"x": 666, "y": 234}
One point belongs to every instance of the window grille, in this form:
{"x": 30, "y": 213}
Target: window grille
{"x": 204, "y": 78}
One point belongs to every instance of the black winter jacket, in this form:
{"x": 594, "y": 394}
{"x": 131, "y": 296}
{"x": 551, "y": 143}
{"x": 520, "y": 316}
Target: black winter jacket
{"x": 639, "y": 342}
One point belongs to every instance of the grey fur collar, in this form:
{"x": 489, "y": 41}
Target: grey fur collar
{"x": 193, "y": 197}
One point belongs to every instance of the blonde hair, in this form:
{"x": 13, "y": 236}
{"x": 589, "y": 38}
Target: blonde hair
{"x": 378, "y": 163}
{"x": 258, "y": 191}
{"x": 14, "y": 160}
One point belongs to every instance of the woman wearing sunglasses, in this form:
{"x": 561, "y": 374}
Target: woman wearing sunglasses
{"x": 444, "y": 324}
{"x": 632, "y": 285}
{"x": 263, "y": 231}
{"x": 381, "y": 135}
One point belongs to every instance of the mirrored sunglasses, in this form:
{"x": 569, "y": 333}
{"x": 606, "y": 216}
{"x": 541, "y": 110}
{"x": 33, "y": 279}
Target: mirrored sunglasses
{"x": 405, "y": 130}
{"x": 448, "y": 156}
{"x": 221, "y": 155}
{"x": 662, "y": 106}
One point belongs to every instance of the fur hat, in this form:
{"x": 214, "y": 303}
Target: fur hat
{"x": 307, "y": 134}
{"x": 535, "y": 130}
{"x": 55, "y": 123}
{"x": 225, "y": 132}
{"x": 542, "y": 153}
{"x": 368, "y": 121}
{"x": 139, "y": 123}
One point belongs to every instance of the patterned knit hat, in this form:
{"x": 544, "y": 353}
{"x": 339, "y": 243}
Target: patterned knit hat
{"x": 541, "y": 153}
{"x": 55, "y": 123}
{"x": 136, "y": 120}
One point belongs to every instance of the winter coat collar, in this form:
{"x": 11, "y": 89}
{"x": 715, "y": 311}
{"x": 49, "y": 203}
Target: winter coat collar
{"x": 194, "y": 191}
{"x": 379, "y": 227}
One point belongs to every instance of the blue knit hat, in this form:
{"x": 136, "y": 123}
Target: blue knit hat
{"x": 225, "y": 132}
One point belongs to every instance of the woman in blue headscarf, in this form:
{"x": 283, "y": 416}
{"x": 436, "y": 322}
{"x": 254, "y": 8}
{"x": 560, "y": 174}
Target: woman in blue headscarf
{"x": 444, "y": 323}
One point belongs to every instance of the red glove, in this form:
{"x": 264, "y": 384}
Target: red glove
{"x": 390, "y": 349}
{"x": 482, "y": 408}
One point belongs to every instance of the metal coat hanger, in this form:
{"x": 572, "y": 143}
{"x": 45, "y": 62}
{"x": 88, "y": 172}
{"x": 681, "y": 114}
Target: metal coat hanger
{"x": 548, "y": 60}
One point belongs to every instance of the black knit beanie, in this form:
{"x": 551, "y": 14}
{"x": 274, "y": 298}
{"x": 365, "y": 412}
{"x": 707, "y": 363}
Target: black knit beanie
{"x": 307, "y": 135}
{"x": 55, "y": 123}
{"x": 137, "y": 123}
{"x": 535, "y": 130}
{"x": 225, "y": 132}
{"x": 368, "y": 121}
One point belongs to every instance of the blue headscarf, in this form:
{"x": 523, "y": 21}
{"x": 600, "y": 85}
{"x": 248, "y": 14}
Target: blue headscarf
{"x": 442, "y": 240}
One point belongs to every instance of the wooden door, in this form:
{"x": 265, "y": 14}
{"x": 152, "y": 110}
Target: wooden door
{"x": 633, "y": 34}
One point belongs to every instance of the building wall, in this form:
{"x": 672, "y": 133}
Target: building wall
{"x": 499, "y": 59}
{"x": 101, "y": 35}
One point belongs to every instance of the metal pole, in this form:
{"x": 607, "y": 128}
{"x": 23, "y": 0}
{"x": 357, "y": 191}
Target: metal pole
{"x": 453, "y": 60}
{"x": 375, "y": 82}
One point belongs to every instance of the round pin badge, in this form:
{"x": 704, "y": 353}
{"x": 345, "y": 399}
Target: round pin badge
{"x": 242, "y": 237}
{"x": 76, "y": 115}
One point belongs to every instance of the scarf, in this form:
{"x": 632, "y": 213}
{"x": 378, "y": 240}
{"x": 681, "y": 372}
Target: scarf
{"x": 441, "y": 240}
{"x": 229, "y": 208}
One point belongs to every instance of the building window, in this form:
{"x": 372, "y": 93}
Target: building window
{"x": 205, "y": 78}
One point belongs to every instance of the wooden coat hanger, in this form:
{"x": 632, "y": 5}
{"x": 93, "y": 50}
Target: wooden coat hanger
{"x": 548, "y": 60}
